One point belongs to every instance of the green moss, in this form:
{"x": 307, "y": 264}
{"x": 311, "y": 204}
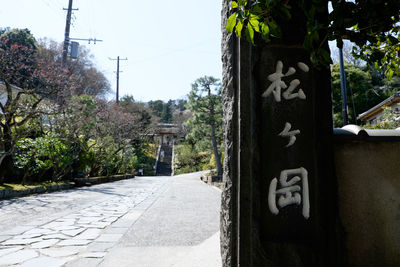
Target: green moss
{"x": 33, "y": 185}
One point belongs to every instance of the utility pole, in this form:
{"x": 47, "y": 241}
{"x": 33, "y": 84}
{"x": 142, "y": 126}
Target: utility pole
{"x": 66, "y": 35}
{"x": 117, "y": 93}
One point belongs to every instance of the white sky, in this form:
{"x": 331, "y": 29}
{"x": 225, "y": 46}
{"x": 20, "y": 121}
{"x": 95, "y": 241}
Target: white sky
{"x": 169, "y": 44}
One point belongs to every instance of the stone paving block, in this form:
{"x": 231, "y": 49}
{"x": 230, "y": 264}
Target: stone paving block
{"x": 58, "y": 225}
{"x": 73, "y": 232}
{"x": 116, "y": 230}
{"x": 66, "y": 228}
{"x": 74, "y": 242}
{"x": 122, "y": 223}
{"x": 35, "y": 223}
{"x": 25, "y": 236}
{"x": 90, "y": 218}
{"x": 45, "y": 244}
{"x": 109, "y": 237}
{"x": 44, "y": 262}
{"x": 18, "y": 241}
{"x": 6, "y": 251}
{"x": 55, "y": 236}
{"x": 4, "y": 237}
{"x": 61, "y": 252}
{"x": 84, "y": 262}
{"x": 132, "y": 215}
{"x": 18, "y": 230}
{"x": 101, "y": 225}
{"x": 100, "y": 246}
{"x": 93, "y": 255}
{"x": 110, "y": 219}
{"x": 39, "y": 231}
{"x": 67, "y": 221}
{"x": 18, "y": 257}
{"x": 89, "y": 234}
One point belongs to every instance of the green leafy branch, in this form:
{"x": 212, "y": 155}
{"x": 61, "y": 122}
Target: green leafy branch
{"x": 256, "y": 16}
{"x": 261, "y": 17}
{"x": 376, "y": 34}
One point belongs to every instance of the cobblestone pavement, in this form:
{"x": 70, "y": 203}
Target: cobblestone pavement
{"x": 75, "y": 227}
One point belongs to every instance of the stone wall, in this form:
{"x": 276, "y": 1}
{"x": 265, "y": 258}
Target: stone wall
{"x": 368, "y": 174}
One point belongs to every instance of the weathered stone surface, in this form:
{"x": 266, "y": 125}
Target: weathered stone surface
{"x": 84, "y": 262}
{"x": 55, "y": 236}
{"x": 109, "y": 237}
{"x": 74, "y": 242}
{"x": 93, "y": 255}
{"x": 18, "y": 241}
{"x": 73, "y": 232}
{"x": 18, "y": 230}
{"x": 89, "y": 234}
{"x": 100, "y": 246}
{"x": 43, "y": 261}
{"x": 5, "y": 237}
{"x": 18, "y": 257}
{"x": 228, "y": 97}
{"x": 45, "y": 244}
{"x": 61, "y": 252}
{"x": 116, "y": 230}
{"x": 5, "y": 251}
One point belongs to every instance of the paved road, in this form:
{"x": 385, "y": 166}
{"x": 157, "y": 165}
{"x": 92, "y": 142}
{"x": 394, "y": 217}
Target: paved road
{"x": 146, "y": 221}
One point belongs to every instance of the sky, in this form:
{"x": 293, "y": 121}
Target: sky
{"x": 168, "y": 44}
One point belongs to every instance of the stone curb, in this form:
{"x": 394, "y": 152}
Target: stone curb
{"x": 10, "y": 193}
{"x": 101, "y": 179}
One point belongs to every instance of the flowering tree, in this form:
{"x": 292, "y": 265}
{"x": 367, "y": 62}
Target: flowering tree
{"x": 25, "y": 81}
{"x": 102, "y": 136}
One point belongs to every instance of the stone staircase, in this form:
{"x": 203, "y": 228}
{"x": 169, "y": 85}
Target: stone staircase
{"x": 164, "y": 161}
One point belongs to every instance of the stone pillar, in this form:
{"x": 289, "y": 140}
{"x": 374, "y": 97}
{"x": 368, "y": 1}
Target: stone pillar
{"x": 229, "y": 101}
{"x": 279, "y": 202}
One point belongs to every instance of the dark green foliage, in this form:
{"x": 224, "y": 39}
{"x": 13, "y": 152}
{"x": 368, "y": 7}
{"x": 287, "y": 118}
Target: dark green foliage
{"x": 372, "y": 25}
{"x": 189, "y": 159}
{"x": 205, "y": 126}
{"x": 166, "y": 113}
{"x": 366, "y": 92}
{"x": 156, "y": 107}
{"x": 19, "y": 36}
{"x": 42, "y": 158}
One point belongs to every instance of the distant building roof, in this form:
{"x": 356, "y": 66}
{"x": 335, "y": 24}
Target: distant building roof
{"x": 3, "y": 92}
{"x": 167, "y": 129}
{"x": 395, "y": 98}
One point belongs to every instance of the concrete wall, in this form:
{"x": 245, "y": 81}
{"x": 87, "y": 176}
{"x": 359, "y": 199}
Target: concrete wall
{"x": 368, "y": 174}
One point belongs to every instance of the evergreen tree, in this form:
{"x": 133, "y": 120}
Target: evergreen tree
{"x": 206, "y": 123}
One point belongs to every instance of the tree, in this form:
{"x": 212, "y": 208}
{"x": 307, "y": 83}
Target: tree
{"x": 372, "y": 25}
{"x": 156, "y": 107}
{"x": 87, "y": 79}
{"x": 26, "y": 81}
{"x": 206, "y": 124}
{"x": 21, "y": 37}
{"x": 166, "y": 113}
{"x": 362, "y": 93}
{"x": 129, "y": 104}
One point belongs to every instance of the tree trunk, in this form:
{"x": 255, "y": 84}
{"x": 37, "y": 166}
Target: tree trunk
{"x": 217, "y": 155}
{"x": 5, "y": 159}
